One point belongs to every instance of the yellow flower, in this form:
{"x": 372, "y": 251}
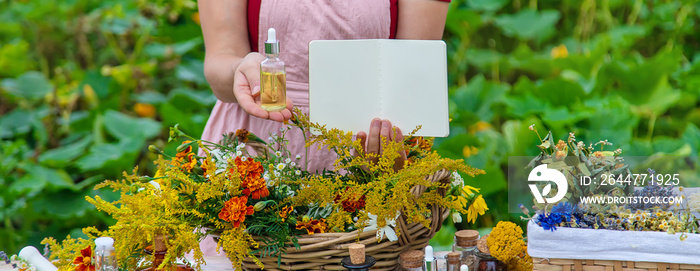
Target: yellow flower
{"x": 145, "y": 110}
{"x": 478, "y": 207}
{"x": 559, "y": 51}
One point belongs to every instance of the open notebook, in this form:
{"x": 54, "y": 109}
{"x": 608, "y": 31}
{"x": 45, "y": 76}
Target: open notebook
{"x": 353, "y": 81}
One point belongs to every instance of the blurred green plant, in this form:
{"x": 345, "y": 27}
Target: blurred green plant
{"x": 84, "y": 86}
{"x": 625, "y": 71}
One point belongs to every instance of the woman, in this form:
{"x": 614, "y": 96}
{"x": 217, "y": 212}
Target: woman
{"x": 234, "y": 30}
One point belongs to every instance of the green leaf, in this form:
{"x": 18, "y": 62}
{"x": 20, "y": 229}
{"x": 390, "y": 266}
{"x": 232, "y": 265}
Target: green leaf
{"x": 692, "y": 137}
{"x": 528, "y": 24}
{"x": 150, "y": 97}
{"x": 61, "y": 157}
{"x": 31, "y": 85}
{"x": 191, "y": 70}
{"x": 103, "y": 154}
{"x": 559, "y": 92}
{"x": 72, "y": 204}
{"x": 159, "y": 50}
{"x": 479, "y": 96}
{"x": 188, "y": 99}
{"x": 487, "y": 5}
{"x": 38, "y": 178}
{"x": 122, "y": 126}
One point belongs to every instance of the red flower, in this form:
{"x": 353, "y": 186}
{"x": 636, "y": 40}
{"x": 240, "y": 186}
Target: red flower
{"x": 84, "y": 262}
{"x": 352, "y": 203}
{"x": 235, "y": 210}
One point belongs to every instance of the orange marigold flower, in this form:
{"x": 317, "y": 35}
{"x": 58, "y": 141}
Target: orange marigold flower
{"x": 209, "y": 168}
{"x": 145, "y": 110}
{"x": 184, "y": 151}
{"x": 84, "y": 262}
{"x": 255, "y": 187}
{"x": 188, "y": 162}
{"x": 235, "y": 210}
{"x": 286, "y": 210}
{"x": 242, "y": 135}
{"x": 312, "y": 225}
{"x": 352, "y": 203}
{"x": 248, "y": 168}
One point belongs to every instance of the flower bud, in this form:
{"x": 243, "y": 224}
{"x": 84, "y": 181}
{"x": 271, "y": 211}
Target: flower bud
{"x": 145, "y": 179}
{"x": 183, "y": 147}
{"x": 154, "y": 149}
{"x": 259, "y": 206}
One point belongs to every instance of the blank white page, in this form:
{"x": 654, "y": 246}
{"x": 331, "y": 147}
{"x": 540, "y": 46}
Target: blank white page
{"x": 353, "y": 81}
{"x": 343, "y": 83}
{"x": 414, "y": 86}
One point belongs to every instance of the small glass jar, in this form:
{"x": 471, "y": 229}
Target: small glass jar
{"x": 453, "y": 261}
{"x": 465, "y": 242}
{"x": 412, "y": 260}
{"x": 486, "y": 262}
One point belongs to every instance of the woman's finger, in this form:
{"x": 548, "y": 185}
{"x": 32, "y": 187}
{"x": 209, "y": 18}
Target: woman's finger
{"x": 373, "y": 140}
{"x": 385, "y": 133}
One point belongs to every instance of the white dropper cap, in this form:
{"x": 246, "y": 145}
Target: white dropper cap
{"x": 272, "y": 45}
{"x": 271, "y": 35}
{"x": 429, "y": 254}
{"x": 464, "y": 268}
{"x": 104, "y": 243}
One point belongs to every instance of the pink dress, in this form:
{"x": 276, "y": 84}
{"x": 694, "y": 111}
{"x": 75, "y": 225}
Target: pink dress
{"x": 297, "y": 23}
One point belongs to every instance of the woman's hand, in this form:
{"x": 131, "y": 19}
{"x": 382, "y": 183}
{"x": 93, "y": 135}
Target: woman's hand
{"x": 246, "y": 89}
{"x": 378, "y": 130}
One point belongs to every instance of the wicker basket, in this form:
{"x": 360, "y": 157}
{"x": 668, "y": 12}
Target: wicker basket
{"x": 602, "y": 265}
{"x": 324, "y": 251}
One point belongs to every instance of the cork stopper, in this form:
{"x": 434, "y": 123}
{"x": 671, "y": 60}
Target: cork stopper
{"x": 453, "y": 257}
{"x": 159, "y": 241}
{"x": 357, "y": 253}
{"x": 483, "y": 245}
{"x": 412, "y": 259}
{"x": 466, "y": 238}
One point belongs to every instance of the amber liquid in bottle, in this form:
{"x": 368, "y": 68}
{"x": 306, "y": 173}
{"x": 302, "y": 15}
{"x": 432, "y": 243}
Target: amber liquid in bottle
{"x": 273, "y": 90}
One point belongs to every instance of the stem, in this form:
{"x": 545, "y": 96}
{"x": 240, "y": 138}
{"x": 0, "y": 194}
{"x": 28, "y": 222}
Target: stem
{"x": 635, "y": 12}
{"x": 650, "y": 127}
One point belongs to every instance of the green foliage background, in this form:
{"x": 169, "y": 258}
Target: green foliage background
{"x": 72, "y": 72}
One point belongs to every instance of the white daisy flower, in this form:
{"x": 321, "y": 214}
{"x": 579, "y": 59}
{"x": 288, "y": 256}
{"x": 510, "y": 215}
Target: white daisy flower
{"x": 388, "y": 230}
{"x": 297, "y": 172}
{"x": 281, "y": 166}
{"x": 288, "y": 160}
{"x": 240, "y": 146}
{"x": 457, "y": 180}
{"x": 298, "y": 157}
{"x": 278, "y": 153}
{"x": 243, "y": 158}
{"x": 292, "y": 164}
{"x": 456, "y": 217}
{"x": 239, "y": 153}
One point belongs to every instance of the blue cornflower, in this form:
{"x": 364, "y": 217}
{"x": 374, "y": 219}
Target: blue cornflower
{"x": 549, "y": 221}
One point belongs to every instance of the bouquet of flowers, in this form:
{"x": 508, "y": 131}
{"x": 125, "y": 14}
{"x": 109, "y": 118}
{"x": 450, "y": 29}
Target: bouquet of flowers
{"x": 256, "y": 196}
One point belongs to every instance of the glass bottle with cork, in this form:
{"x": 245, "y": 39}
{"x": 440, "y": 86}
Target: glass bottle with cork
{"x": 412, "y": 260}
{"x": 484, "y": 260}
{"x": 273, "y": 82}
{"x": 465, "y": 242}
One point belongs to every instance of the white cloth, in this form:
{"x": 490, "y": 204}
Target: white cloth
{"x": 638, "y": 246}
